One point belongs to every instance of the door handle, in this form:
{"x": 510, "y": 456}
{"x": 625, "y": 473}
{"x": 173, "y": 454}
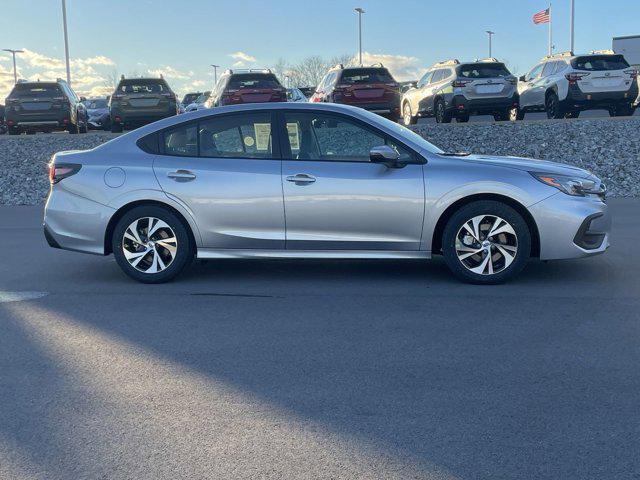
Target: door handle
{"x": 181, "y": 175}
{"x": 301, "y": 178}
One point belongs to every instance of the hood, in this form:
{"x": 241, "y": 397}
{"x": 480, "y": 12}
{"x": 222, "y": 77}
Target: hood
{"x": 529, "y": 164}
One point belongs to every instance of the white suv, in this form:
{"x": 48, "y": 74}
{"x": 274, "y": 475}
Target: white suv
{"x": 565, "y": 84}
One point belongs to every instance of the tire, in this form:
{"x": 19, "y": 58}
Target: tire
{"x": 442, "y": 115}
{"x": 572, "y": 114}
{"x": 83, "y": 128}
{"x": 458, "y": 243}
{"x": 407, "y": 116}
{"x": 116, "y": 128}
{"x": 516, "y": 114}
{"x": 501, "y": 116}
{"x": 153, "y": 260}
{"x": 553, "y": 106}
{"x": 73, "y": 129}
{"x": 462, "y": 118}
{"x": 624, "y": 110}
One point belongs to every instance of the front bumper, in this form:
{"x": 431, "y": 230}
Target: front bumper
{"x": 75, "y": 223}
{"x": 461, "y": 104}
{"x": 571, "y": 227}
{"x": 576, "y": 98}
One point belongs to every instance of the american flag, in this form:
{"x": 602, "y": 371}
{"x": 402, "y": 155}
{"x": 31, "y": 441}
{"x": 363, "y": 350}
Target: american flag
{"x": 542, "y": 17}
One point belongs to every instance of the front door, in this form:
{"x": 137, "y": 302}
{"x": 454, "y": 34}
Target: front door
{"x": 336, "y": 199}
{"x": 225, "y": 170}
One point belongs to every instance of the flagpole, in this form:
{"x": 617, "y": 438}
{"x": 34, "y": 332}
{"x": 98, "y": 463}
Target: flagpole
{"x": 572, "y": 24}
{"x": 550, "y": 34}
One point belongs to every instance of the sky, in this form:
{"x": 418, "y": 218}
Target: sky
{"x": 181, "y": 38}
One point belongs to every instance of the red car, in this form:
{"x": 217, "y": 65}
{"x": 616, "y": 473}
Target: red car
{"x": 372, "y": 88}
{"x": 246, "y": 86}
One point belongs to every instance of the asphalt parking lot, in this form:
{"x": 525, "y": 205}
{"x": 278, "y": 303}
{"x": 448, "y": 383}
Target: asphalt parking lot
{"x": 317, "y": 369}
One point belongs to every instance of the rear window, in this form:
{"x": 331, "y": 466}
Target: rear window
{"x": 253, "y": 80}
{"x": 599, "y": 63}
{"x": 93, "y": 104}
{"x": 366, "y": 75}
{"x": 189, "y": 98}
{"x": 483, "y": 70}
{"x": 143, "y": 86}
{"x": 36, "y": 90}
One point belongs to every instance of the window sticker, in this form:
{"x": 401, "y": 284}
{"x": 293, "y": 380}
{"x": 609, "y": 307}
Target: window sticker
{"x": 263, "y": 132}
{"x": 294, "y": 135}
{"x": 248, "y": 141}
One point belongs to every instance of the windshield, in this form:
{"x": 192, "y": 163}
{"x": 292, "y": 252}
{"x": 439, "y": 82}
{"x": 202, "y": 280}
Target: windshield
{"x": 190, "y": 97}
{"x": 600, "y": 63}
{"x": 143, "y": 86}
{"x": 402, "y": 131}
{"x": 484, "y": 70}
{"x": 366, "y": 75}
{"x": 95, "y": 104}
{"x": 255, "y": 80}
{"x": 36, "y": 90}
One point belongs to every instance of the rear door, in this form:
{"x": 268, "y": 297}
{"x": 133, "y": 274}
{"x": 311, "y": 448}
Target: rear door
{"x": 227, "y": 172}
{"x": 253, "y": 88}
{"x": 35, "y": 102}
{"x": 145, "y": 97}
{"x": 486, "y": 80}
{"x": 362, "y": 86}
{"x": 527, "y": 89}
{"x": 336, "y": 199}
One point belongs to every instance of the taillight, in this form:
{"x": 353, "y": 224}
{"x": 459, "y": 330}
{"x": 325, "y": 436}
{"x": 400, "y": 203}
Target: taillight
{"x": 60, "y": 171}
{"x": 575, "y": 77}
{"x": 460, "y": 83}
{"x": 633, "y": 73}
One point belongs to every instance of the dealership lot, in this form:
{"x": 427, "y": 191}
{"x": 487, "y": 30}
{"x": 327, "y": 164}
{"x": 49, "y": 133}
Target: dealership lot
{"x": 317, "y": 369}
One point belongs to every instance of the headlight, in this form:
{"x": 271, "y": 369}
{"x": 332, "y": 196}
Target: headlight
{"x": 575, "y": 186}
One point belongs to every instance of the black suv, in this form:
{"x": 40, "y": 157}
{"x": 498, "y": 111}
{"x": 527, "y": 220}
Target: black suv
{"x": 44, "y": 107}
{"x": 372, "y": 88}
{"x": 246, "y": 86}
{"x": 138, "y": 101}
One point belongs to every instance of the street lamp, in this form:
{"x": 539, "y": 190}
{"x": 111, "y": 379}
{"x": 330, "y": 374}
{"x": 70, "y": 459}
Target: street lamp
{"x": 215, "y": 73}
{"x": 66, "y": 40}
{"x": 13, "y": 52}
{"x": 360, "y": 11}
{"x": 491, "y": 34}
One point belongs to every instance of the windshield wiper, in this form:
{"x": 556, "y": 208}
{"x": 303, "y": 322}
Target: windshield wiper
{"x": 455, "y": 154}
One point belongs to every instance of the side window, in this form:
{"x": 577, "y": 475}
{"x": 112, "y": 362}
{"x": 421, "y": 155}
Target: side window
{"x": 548, "y": 69}
{"x": 181, "y": 141}
{"x": 560, "y": 66}
{"x": 236, "y": 136}
{"x": 319, "y": 136}
{"x": 534, "y": 73}
{"x": 437, "y": 76}
{"x": 322, "y": 83}
{"x": 425, "y": 79}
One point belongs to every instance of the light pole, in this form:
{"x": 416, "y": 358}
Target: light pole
{"x": 571, "y": 25}
{"x": 66, "y": 40}
{"x": 13, "y": 52}
{"x": 491, "y": 34}
{"x": 215, "y": 73}
{"x": 360, "y": 11}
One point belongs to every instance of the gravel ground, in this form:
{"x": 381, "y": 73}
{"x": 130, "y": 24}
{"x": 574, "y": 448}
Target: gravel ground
{"x": 608, "y": 147}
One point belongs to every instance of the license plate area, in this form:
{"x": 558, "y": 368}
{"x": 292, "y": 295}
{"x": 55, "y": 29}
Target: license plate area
{"x": 489, "y": 88}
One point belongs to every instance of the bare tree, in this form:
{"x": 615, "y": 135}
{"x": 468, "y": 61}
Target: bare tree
{"x": 111, "y": 79}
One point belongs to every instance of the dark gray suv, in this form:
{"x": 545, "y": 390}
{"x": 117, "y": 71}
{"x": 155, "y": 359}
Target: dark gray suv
{"x": 44, "y": 107}
{"x": 138, "y": 101}
{"x": 451, "y": 89}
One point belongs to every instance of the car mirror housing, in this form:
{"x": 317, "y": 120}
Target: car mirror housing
{"x": 522, "y": 78}
{"x": 385, "y": 155}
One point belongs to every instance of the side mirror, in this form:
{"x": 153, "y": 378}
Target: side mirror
{"x": 522, "y": 78}
{"x": 83, "y": 99}
{"x": 385, "y": 155}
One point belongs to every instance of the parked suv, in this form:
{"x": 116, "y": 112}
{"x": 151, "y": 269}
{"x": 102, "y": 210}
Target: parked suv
{"x": 564, "y": 84}
{"x": 44, "y": 107}
{"x": 451, "y": 89}
{"x": 246, "y": 86}
{"x": 372, "y": 88}
{"x": 138, "y": 101}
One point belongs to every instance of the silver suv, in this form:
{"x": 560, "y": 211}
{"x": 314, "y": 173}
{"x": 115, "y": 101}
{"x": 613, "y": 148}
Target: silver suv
{"x": 564, "y": 84}
{"x": 451, "y": 89}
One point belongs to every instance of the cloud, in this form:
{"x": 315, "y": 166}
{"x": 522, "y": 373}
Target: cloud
{"x": 171, "y": 73}
{"x": 401, "y": 67}
{"x": 242, "y": 57}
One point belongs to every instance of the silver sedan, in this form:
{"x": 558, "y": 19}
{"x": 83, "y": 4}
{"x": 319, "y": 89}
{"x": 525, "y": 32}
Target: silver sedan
{"x": 303, "y": 180}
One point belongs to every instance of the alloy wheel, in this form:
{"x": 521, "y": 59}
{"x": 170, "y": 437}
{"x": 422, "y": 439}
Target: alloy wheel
{"x": 406, "y": 113}
{"x": 486, "y": 244}
{"x": 149, "y": 245}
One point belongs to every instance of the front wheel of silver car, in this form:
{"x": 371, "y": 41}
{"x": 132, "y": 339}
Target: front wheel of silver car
{"x": 151, "y": 244}
{"x": 486, "y": 242}
{"x": 407, "y": 116}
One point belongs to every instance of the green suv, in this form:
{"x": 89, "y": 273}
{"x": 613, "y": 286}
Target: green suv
{"x": 138, "y": 101}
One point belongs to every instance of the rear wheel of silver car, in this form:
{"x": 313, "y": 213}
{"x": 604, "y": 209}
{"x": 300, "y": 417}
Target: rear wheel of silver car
{"x": 486, "y": 242}
{"x": 516, "y": 114}
{"x": 553, "y": 106}
{"x": 442, "y": 116}
{"x": 407, "y": 117}
{"x": 151, "y": 244}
